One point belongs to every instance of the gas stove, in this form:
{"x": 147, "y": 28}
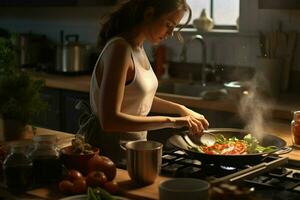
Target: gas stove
{"x": 274, "y": 178}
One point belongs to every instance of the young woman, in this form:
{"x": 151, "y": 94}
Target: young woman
{"x": 123, "y": 84}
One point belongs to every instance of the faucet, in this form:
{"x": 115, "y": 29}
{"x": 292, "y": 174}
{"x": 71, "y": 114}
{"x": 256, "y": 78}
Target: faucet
{"x": 183, "y": 55}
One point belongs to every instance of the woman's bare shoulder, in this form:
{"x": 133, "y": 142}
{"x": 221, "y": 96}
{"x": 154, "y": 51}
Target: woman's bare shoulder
{"x": 119, "y": 45}
{"x": 118, "y": 52}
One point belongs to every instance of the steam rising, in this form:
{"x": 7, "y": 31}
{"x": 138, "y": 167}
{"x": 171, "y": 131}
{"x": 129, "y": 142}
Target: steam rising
{"x": 254, "y": 109}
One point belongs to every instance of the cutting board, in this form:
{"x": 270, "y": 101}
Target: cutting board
{"x": 128, "y": 189}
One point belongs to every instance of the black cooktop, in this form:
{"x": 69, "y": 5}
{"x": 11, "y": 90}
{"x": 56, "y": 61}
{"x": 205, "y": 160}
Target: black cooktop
{"x": 275, "y": 178}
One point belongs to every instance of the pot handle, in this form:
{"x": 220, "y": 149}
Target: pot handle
{"x": 280, "y": 151}
{"x": 283, "y": 150}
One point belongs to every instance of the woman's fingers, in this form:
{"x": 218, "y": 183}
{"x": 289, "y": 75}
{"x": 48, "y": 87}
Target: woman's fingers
{"x": 204, "y": 123}
{"x": 198, "y": 126}
{"x": 195, "y": 125}
{"x": 199, "y": 122}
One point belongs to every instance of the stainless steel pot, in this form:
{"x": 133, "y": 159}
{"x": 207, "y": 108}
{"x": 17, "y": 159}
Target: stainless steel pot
{"x": 72, "y": 56}
{"x": 144, "y": 160}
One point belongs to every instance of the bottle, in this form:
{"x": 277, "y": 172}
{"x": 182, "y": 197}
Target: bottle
{"x": 47, "y": 167}
{"x": 204, "y": 23}
{"x": 295, "y": 129}
{"x": 17, "y": 168}
{"x": 166, "y": 74}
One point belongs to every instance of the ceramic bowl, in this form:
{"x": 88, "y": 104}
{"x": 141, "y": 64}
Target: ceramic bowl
{"x": 184, "y": 188}
{"x": 76, "y": 161}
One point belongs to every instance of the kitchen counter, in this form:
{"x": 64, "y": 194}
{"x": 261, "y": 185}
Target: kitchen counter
{"x": 281, "y": 109}
{"x": 133, "y": 191}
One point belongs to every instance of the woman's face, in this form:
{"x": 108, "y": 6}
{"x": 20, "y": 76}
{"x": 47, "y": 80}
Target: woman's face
{"x": 162, "y": 27}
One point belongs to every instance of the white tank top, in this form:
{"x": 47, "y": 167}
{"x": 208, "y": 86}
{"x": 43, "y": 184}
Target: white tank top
{"x": 138, "y": 94}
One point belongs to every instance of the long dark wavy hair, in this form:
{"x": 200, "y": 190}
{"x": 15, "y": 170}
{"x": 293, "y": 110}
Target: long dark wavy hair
{"x": 130, "y": 13}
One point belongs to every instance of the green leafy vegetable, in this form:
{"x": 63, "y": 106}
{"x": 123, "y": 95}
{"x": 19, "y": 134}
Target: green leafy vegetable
{"x": 98, "y": 194}
{"x": 91, "y": 194}
{"x": 220, "y": 139}
{"x": 252, "y": 143}
{"x": 254, "y": 147}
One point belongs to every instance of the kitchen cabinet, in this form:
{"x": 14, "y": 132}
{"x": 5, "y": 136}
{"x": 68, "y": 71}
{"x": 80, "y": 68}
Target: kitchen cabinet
{"x": 279, "y": 4}
{"x": 57, "y": 2}
{"x": 61, "y": 113}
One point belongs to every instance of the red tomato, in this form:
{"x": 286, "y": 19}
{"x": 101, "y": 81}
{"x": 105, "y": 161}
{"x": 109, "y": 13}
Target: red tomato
{"x": 96, "y": 178}
{"x": 79, "y": 186}
{"x": 73, "y": 175}
{"x": 65, "y": 186}
{"x": 111, "y": 187}
{"x": 104, "y": 164}
{"x": 238, "y": 148}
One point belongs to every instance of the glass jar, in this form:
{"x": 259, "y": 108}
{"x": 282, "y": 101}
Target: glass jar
{"x": 17, "y": 168}
{"x": 47, "y": 167}
{"x": 295, "y": 129}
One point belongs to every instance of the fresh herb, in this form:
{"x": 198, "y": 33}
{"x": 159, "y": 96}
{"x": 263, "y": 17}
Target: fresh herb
{"x": 19, "y": 92}
{"x": 99, "y": 194}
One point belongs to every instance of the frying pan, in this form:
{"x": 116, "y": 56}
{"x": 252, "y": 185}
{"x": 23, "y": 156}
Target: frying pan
{"x": 183, "y": 141}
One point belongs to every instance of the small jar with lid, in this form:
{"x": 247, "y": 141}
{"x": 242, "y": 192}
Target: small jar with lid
{"x": 295, "y": 129}
{"x": 17, "y": 168}
{"x": 47, "y": 167}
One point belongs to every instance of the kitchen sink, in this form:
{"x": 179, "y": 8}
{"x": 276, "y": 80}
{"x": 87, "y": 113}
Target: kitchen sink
{"x": 209, "y": 91}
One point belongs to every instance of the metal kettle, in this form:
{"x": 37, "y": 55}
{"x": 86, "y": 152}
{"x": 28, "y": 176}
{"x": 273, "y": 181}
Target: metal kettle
{"x": 72, "y": 56}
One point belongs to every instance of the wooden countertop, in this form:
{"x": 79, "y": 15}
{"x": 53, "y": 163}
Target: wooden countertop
{"x": 281, "y": 109}
{"x": 129, "y": 189}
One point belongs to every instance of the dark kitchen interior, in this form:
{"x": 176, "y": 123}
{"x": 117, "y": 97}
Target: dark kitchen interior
{"x": 250, "y": 70}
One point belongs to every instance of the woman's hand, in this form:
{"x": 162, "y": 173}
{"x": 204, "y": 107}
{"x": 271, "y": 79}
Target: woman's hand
{"x": 193, "y": 120}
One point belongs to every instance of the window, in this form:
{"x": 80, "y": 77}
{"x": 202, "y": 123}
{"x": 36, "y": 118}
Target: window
{"x": 224, "y": 12}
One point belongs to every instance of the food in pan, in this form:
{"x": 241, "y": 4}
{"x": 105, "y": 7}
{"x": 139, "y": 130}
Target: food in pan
{"x": 234, "y": 146}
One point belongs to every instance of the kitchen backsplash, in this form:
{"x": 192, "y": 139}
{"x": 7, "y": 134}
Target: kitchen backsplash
{"x": 223, "y": 73}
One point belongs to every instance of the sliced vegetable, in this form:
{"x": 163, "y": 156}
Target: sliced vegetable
{"x": 234, "y": 146}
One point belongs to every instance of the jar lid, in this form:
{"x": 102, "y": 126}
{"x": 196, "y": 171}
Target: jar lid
{"x": 297, "y": 115}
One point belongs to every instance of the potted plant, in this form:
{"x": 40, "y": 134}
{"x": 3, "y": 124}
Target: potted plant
{"x": 19, "y": 93}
